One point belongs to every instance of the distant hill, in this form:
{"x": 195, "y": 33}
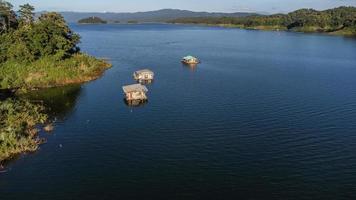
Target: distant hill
{"x": 336, "y": 21}
{"x": 92, "y": 20}
{"x": 150, "y": 16}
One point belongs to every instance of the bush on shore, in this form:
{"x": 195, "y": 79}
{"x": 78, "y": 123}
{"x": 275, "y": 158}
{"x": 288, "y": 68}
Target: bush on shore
{"x": 49, "y": 72}
{"x": 18, "y": 133}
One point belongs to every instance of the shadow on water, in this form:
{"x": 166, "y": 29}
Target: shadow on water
{"x": 59, "y": 102}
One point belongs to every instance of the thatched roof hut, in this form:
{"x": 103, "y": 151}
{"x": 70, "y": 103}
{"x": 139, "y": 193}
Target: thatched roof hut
{"x": 190, "y": 60}
{"x": 135, "y": 92}
{"x": 144, "y": 75}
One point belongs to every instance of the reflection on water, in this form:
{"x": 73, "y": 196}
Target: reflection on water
{"x": 59, "y": 102}
{"x": 192, "y": 67}
{"x": 145, "y": 82}
{"x": 135, "y": 103}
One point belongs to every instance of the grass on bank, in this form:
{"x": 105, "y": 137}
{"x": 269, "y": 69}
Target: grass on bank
{"x": 49, "y": 72}
{"x": 18, "y": 133}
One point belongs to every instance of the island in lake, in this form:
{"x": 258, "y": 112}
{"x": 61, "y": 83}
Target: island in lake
{"x": 35, "y": 54}
{"x": 92, "y": 20}
{"x": 132, "y": 22}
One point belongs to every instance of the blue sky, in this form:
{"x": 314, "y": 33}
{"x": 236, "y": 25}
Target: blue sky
{"x": 270, "y": 6}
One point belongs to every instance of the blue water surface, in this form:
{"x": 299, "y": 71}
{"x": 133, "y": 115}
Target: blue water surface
{"x": 266, "y": 115}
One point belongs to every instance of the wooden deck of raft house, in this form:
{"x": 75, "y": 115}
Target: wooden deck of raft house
{"x": 135, "y": 92}
{"x": 144, "y": 75}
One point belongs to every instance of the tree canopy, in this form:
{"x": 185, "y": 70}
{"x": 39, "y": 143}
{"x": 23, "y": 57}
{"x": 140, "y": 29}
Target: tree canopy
{"x": 25, "y": 39}
{"x": 8, "y": 18}
{"x": 26, "y": 14}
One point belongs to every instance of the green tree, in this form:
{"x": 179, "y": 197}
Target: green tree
{"x": 48, "y": 36}
{"x": 52, "y": 36}
{"x": 7, "y": 16}
{"x": 26, "y": 14}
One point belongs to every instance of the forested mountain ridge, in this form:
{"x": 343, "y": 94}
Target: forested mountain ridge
{"x": 341, "y": 20}
{"x": 150, "y": 16}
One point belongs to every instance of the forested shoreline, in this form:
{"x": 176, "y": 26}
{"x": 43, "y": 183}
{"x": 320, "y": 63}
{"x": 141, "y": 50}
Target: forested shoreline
{"x": 35, "y": 53}
{"x": 41, "y": 52}
{"x": 339, "y": 21}
{"x": 18, "y": 131}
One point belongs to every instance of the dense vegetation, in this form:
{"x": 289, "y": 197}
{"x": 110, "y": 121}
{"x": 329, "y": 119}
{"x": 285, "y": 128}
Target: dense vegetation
{"x": 92, "y": 20}
{"x": 49, "y": 72}
{"x": 18, "y": 133}
{"x": 35, "y": 53}
{"x": 41, "y": 52}
{"x": 340, "y": 20}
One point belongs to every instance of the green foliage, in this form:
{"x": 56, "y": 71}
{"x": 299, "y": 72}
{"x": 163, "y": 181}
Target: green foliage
{"x": 43, "y": 52}
{"x": 92, "y": 20}
{"x": 32, "y": 40}
{"x": 26, "y": 14}
{"x": 339, "y": 20}
{"x": 17, "y": 127}
{"x": 35, "y": 54}
{"x": 50, "y": 72}
{"x": 8, "y": 19}
{"x": 52, "y": 36}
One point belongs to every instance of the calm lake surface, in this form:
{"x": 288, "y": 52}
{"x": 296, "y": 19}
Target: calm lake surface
{"x": 267, "y": 115}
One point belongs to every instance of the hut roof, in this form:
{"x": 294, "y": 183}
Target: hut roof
{"x": 189, "y": 58}
{"x": 144, "y": 71}
{"x": 135, "y": 88}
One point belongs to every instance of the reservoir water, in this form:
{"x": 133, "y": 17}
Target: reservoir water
{"x": 266, "y": 115}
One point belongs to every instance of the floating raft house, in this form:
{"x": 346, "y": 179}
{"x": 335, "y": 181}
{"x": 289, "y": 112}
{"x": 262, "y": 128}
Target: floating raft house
{"x": 135, "y": 92}
{"x": 190, "y": 60}
{"x": 143, "y": 75}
